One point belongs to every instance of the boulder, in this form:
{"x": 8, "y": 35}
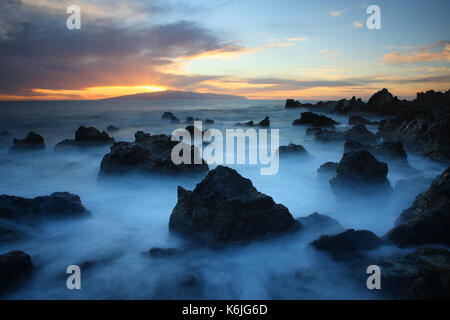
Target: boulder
{"x": 225, "y": 207}
{"x": 112, "y": 128}
{"x": 148, "y": 154}
{"x": 348, "y": 245}
{"x": 14, "y": 267}
{"x": 174, "y": 120}
{"x": 315, "y": 120}
{"x": 383, "y": 103}
{"x": 292, "y": 149}
{"x": 421, "y": 275}
{"x": 328, "y": 169}
{"x": 85, "y": 137}
{"x": 33, "y": 141}
{"x": 361, "y": 134}
{"x": 208, "y": 121}
{"x": 428, "y": 219}
{"x": 352, "y": 145}
{"x": 320, "y": 223}
{"x": 361, "y": 171}
{"x": 167, "y": 115}
{"x": 56, "y": 205}
{"x": 391, "y": 151}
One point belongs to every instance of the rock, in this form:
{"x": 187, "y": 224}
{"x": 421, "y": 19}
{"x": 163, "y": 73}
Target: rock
{"x": 361, "y": 134}
{"x": 14, "y": 267}
{"x": 56, "y": 205}
{"x": 265, "y": 122}
{"x": 358, "y": 120}
{"x": 391, "y": 150}
{"x": 112, "y": 128}
{"x": 352, "y": 145}
{"x": 85, "y": 137}
{"x": 316, "y": 222}
{"x": 292, "y": 149}
{"x": 348, "y": 245}
{"x": 148, "y": 154}
{"x": 383, "y": 102}
{"x": 362, "y": 170}
{"x": 208, "y": 121}
{"x": 422, "y": 126}
{"x": 345, "y": 106}
{"x": 9, "y": 233}
{"x": 291, "y": 103}
{"x": 315, "y": 120}
{"x": 174, "y": 120}
{"x": 325, "y": 135}
{"x": 167, "y": 115}
{"x": 33, "y": 141}
{"x": 225, "y": 207}
{"x": 190, "y": 120}
{"x": 328, "y": 169}
{"x": 422, "y": 274}
{"x": 428, "y": 219}
{"x": 5, "y": 133}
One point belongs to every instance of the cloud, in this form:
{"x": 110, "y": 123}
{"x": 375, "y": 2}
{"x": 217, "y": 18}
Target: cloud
{"x": 336, "y": 13}
{"x": 440, "y": 51}
{"x": 300, "y": 39}
{"x": 357, "y": 24}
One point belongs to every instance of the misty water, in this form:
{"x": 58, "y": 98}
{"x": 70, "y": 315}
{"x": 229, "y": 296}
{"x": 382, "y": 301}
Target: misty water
{"x": 130, "y": 214}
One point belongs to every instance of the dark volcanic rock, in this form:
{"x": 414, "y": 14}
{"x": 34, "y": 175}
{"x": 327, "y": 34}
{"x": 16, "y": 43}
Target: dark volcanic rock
{"x": 315, "y": 120}
{"x": 391, "y": 150}
{"x": 355, "y": 120}
{"x": 112, "y": 128}
{"x": 361, "y": 134}
{"x": 328, "y": 169}
{"x": 360, "y": 170}
{"x": 353, "y": 105}
{"x": 14, "y": 267}
{"x": 352, "y": 145}
{"x": 225, "y": 207}
{"x": 383, "y": 102}
{"x": 422, "y": 125}
{"x": 293, "y": 149}
{"x": 428, "y": 219}
{"x": 291, "y": 103}
{"x": 167, "y": 115}
{"x": 56, "y": 205}
{"x": 149, "y": 154}
{"x": 263, "y": 123}
{"x": 348, "y": 245}
{"x": 208, "y": 121}
{"x": 33, "y": 141}
{"x": 422, "y": 274}
{"x": 85, "y": 137}
{"x": 324, "y": 224}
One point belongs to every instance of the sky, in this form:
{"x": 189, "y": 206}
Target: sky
{"x": 260, "y": 49}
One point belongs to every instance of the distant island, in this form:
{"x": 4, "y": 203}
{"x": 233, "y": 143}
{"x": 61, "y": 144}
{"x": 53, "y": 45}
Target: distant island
{"x": 172, "y": 94}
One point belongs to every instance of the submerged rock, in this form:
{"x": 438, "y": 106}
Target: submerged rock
{"x": 14, "y": 267}
{"x": 86, "y": 137}
{"x": 360, "y": 171}
{"x": 348, "y": 245}
{"x": 428, "y": 219}
{"x": 422, "y": 274}
{"x": 263, "y": 123}
{"x": 148, "y": 154}
{"x": 56, "y": 205}
{"x": 112, "y": 128}
{"x": 225, "y": 207}
{"x": 328, "y": 169}
{"x": 315, "y": 120}
{"x": 292, "y": 149}
{"x": 167, "y": 115}
{"x": 33, "y": 141}
{"x": 324, "y": 224}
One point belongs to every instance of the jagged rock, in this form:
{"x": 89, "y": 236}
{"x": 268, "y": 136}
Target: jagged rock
{"x": 361, "y": 134}
{"x": 315, "y": 120}
{"x": 428, "y": 219}
{"x": 167, "y": 115}
{"x": 391, "y": 150}
{"x": 293, "y": 149}
{"x": 56, "y": 205}
{"x": 112, "y": 128}
{"x": 353, "y": 105}
{"x": 263, "y": 123}
{"x": 174, "y": 120}
{"x": 85, "y": 137}
{"x": 383, "y": 102}
{"x": 208, "y": 121}
{"x": 352, "y": 145}
{"x": 148, "y": 154}
{"x": 33, "y": 141}
{"x": 291, "y": 103}
{"x": 362, "y": 170}
{"x": 225, "y": 207}
{"x": 348, "y": 245}
{"x": 358, "y": 120}
{"x": 14, "y": 267}
{"x": 422, "y": 274}
{"x": 324, "y": 224}
{"x": 328, "y": 169}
